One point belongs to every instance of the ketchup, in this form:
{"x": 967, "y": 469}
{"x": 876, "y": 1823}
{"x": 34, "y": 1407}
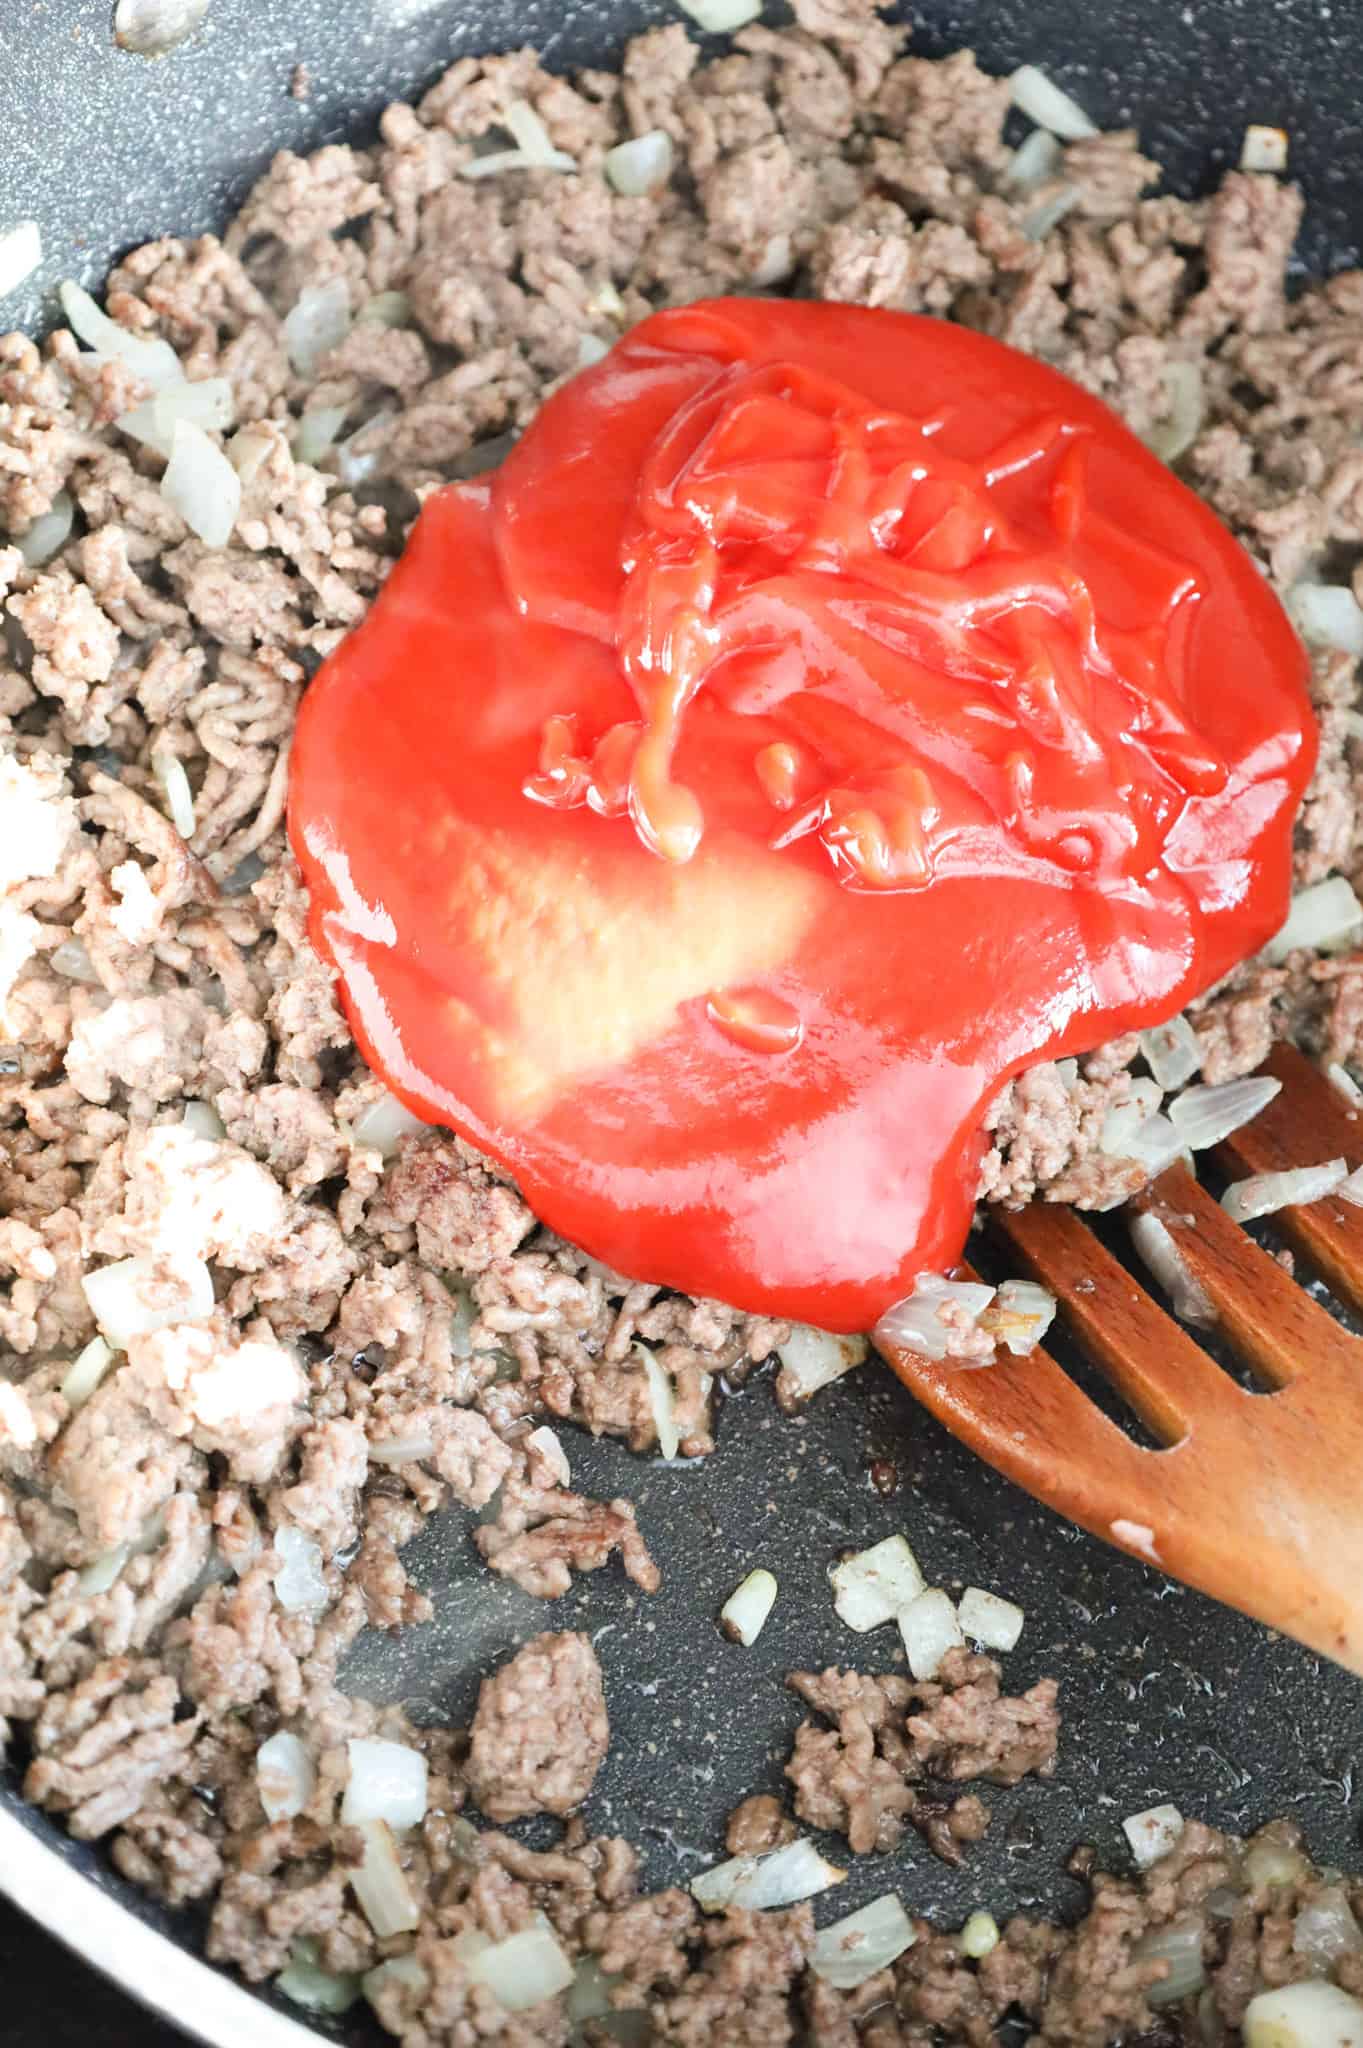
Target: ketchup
{"x": 823, "y": 714}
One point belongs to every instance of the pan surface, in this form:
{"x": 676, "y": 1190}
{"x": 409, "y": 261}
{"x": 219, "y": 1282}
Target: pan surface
{"x": 1165, "y": 1696}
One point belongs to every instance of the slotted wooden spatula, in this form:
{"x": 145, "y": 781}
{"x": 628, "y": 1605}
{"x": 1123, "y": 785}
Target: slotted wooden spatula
{"x": 1254, "y": 1497}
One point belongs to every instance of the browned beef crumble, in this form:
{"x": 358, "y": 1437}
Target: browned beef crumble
{"x": 414, "y": 1329}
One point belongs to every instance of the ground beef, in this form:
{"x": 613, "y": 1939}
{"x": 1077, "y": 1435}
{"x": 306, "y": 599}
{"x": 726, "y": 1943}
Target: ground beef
{"x": 540, "y": 1733}
{"x": 392, "y": 1332}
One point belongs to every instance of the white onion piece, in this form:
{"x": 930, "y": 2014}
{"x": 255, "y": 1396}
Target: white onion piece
{"x": 153, "y": 360}
{"x": 545, "y": 1442}
{"x": 1263, "y": 149}
{"x": 643, "y": 164}
{"x": 1042, "y": 101}
{"x": 1067, "y": 1074}
{"x": 397, "y": 1970}
{"x": 1176, "y": 432}
{"x": 721, "y": 17}
{"x": 169, "y": 770}
{"x": 591, "y": 349}
{"x": 317, "y": 430}
{"x": 1263, "y": 1194}
{"x": 1153, "y": 1833}
{"x": 525, "y": 1969}
{"x": 151, "y": 27}
{"x": 1173, "y": 1052}
{"x": 930, "y": 1628}
{"x": 380, "y": 1886}
{"x": 1179, "y": 1944}
{"x": 528, "y": 132}
{"x": 1321, "y": 918}
{"x": 306, "y": 1983}
{"x": 979, "y": 1937}
{"x": 515, "y": 160}
{"x": 1019, "y": 1315}
{"x": 813, "y": 1358}
{"x": 387, "y": 1781}
{"x": 383, "y": 1124}
{"x": 915, "y": 1322}
{"x": 1327, "y": 615}
{"x": 662, "y": 1402}
{"x": 71, "y": 959}
{"x": 203, "y": 1121}
{"x": 1034, "y": 162}
{"x": 86, "y": 1373}
{"x": 1326, "y": 1929}
{"x": 49, "y": 533}
{"x": 286, "y": 1776}
{"x": 1350, "y": 1188}
{"x": 299, "y": 1584}
{"x": 318, "y": 322}
{"x": 21, "y": 253}
{"x": 1304, "y": 2016}
{"x": 780, "y": 1878}
{"x": 993, "y": 1623}
{"x": 1339, "y": 1077}
{"x": 744, "y": 1614}
{"x": 209, "y": 404}
{"x": 201, "y": 485}
{"x": 413, "y": 1449}
{"x": 99, "y": 1576}
{"x": 876, "y": 1585}
{"x": 1203, "y": 1116}
{"x": 386, "y": 309}
{"x": 1153, "y": 1144}
{"x": 135, "y": 1296}
{"x": 1159, "y": 1253}
{"x": 1037, "y": 224}
{"x": 848, "y": 1951}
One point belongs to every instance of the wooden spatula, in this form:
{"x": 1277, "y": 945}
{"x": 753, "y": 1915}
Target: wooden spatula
{"x": 1254, "y": 1497}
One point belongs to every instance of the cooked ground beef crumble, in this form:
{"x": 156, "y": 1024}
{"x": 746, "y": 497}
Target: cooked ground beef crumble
{"x": 391, "y": 1335}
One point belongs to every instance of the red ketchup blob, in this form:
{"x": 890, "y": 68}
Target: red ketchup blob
{"x": 823, "y": 714}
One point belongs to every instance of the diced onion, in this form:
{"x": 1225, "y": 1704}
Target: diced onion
{"x": 21, "y": 253}
{"x": 386, "y": 309}
{"x": 544, "y": 1441}
{"x": 380, "y": 1885}
{"x": 117, "y": 1296}
{"x": 643, "y": 164}
{"x": 299, "y": 1584}
{"x": 1037, "y": 224}
{"x": 99, "y": 1576}
{"x": 1042, "y": 101}
{"x": 1321, "y": 918}
{"x": 515, "y": 160}
{"x": 1153, "y": 1833}
{"x": 71, "y": 959}
{"x": 529, "y": 133}
{"x": 170, "y": 773}
{"x": 387, "y": 1781}
{"x": 1176, "y": 432}
{"x": 209, "y": 404}
{"x": 1159, "y": 1253}
{"x": 383, "y": 1124}
{"x": 49, "y": 533}
{"x": 318, "y": 322}
{"x": 915, "y": 1322}
{"x": 1325, "y": 1930}
{"x": 317, "y": 430}
{"x": 397, "y": 1970}
{"x": 721, "y": 17}
{"x": 930, "y": 1628}
{"x": 153, "y": 360}
{"x": 1263, "y": 149}
{"x": 1350, "y": 1188}
{"x": 979, "y": 1937}
{"x": 286, "y": 1776}
{"x": 813, "y": 1358}
{"x": 1263, "y": 1194}
{"x": 1153, "y": 1144}
{"x": 1034, "y": 162}
{"x": 1019, "y": 1315}
{"x": 86, "y": 1373}
{"x": 1339, "y": 1077}
{"x": 1272, "y": 1863}
{"x": 1311, "y": 2015}
{"x": 525, "y": 1969}
{"x": 1203, "y": 1116}
{"x": 1173, "y": 1052}
{"x": 151, "y": 27}
{"x": 203, "y": 1121}
{"x": 306, "y": 1983}
{"x": 661, "y": 1401}
{"x": 877, "y": 1584}
{"x": 757, "y": 1883}
{"x": 743, "y": 1615}
{"x": 850, "y": 1950}
{"x": 591, "y": 349}
{"x": 993, "y": 1623}
{"x": 412, "y": 1449}
{"x": 1328, "y": 615}
{"x": 201, "y": 485}
{"x": 1179, "y": 1944}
